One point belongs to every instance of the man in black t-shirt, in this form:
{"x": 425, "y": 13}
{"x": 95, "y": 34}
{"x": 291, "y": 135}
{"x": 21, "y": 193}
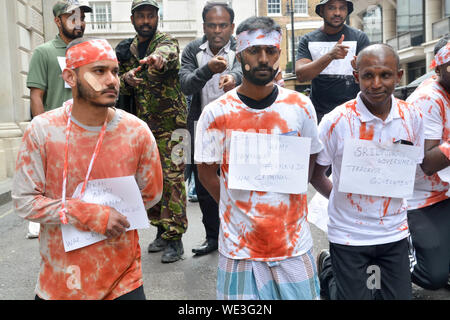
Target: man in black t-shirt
{"x": 325, "y": 56}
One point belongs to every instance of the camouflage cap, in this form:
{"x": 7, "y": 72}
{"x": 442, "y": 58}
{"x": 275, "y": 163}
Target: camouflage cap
{"x": 67, "y": 6}
{"x": 138, "y": 3}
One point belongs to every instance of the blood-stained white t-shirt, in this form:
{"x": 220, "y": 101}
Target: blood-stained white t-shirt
{"x": 434, "y": 102}
{"x": 261, "y": 226}
{"x": 356, "y": 219}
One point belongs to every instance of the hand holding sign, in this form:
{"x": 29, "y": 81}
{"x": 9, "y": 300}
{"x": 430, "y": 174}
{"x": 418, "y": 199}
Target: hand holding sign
{"x": 117, "y": 224}
{"x": 122, "y": 195}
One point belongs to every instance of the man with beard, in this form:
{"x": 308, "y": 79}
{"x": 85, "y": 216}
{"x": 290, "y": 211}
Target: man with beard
{"x": 149, "y": 65}
{"x": 47, "y": 89}
{"x": 264, "y": 243}
{"x": 325, "y": 56}
{"x": 429, "y": 208}
{"x": 86, "y": 139}
{"x": 209, "y": 68}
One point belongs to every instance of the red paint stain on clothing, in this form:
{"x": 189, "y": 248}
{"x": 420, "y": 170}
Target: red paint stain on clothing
{"x": 386, "y": 204}
{"x": 353, "y": 203}
{"x": 227, "y": 215}
{"x": 366, "y": 134}
{"x": 351, "y": 106}
{"x": 245, "y": 206}
{"x": 295, "y": 99}
{"x": 246, "y": 120}
{"x": 333, "y": 125}
{"x": 401, "y": 105}
{"x": 275, "y": 232}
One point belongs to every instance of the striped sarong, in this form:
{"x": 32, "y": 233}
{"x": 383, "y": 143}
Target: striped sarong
{"x": 290, "y": 279}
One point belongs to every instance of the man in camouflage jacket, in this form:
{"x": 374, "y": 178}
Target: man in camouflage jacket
{"x": 149, "y": 65}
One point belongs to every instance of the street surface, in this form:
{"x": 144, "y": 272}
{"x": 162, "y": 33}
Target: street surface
{"x": 193, "y": 278}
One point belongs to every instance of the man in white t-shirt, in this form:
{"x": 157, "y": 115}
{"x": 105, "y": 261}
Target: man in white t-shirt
{"x": 429, "y": 208}
{"x": 367, "y": 233}
{"x": 264, "y": 242}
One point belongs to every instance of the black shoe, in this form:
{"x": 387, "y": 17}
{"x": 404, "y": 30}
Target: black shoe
{"x": 207, "y": 247}
{"x": 159, "y": 244}
{"x": 323, "y": 255}
{"x": 173, "y": 252}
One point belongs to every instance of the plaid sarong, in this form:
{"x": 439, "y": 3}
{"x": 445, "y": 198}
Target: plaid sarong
{"x": 290, "y": 279}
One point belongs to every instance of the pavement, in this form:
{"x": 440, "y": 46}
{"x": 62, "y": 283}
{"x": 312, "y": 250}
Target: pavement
{"x": 192, "y": 278}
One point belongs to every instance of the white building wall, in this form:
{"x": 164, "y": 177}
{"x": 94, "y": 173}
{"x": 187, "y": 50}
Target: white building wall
{"x": 181, "y": 18}
{"x": 21, "y": 30}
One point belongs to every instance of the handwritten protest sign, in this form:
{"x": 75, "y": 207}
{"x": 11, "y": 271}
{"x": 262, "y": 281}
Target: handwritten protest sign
{"x": 270, "y": 163}
{"x": 374, "y": 169}
{"x": 122, "y": 194}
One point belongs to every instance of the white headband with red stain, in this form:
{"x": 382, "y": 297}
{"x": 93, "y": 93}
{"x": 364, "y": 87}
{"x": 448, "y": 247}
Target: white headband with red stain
{"x": 442, "y": 57}
{"x": 257, "y": 37}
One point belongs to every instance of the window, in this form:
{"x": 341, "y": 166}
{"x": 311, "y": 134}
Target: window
{"x": 410, "y": 18}
{"x": 274, "y": 7}
{"x": 447, "y": 8}
{"x": 416, "y": 69}
{"x": 301, "y": 7}
{"x": 101, "y": 15}
{"x": 373, "y": 24}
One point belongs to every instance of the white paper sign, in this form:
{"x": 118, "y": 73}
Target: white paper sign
{"x": 62, "y": 65}
{"x": 122, "y": 194}
{"x": 373, "y": 169}
{"x": 336, "y": 67}
{"x": 270, "y": 163}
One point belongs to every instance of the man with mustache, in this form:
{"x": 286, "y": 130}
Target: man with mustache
{"x": 325, "y": 57}
{"x": 209, "y": 69}
{"x": 149, "y": 65}
{"x": 86, "y": 139}
{"x": 47, "y": 89}
{"x": 264, "y": 242}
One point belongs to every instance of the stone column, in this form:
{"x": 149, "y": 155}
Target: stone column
{"x": 389, "y": 20}
{"x": 21, "y": 30}
{"x": 433, "y": 13}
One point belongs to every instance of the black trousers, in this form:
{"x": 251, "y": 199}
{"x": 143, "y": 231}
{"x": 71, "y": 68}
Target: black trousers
{"x": 430, "y": 235}
{"x": 367, "y": 272}
{"x": 209, "y": 208}
{"x": 137, "y": 294}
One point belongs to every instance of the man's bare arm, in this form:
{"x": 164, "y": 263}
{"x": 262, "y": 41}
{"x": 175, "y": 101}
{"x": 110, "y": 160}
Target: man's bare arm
{"x": 37, "y": 101}
{"x": 207, "y": 175}
{"x": 320, "y": 181}
{"x": 434, "y": 159}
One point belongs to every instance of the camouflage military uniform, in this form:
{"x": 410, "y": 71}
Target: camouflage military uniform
{"x": 161, "y": 104}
